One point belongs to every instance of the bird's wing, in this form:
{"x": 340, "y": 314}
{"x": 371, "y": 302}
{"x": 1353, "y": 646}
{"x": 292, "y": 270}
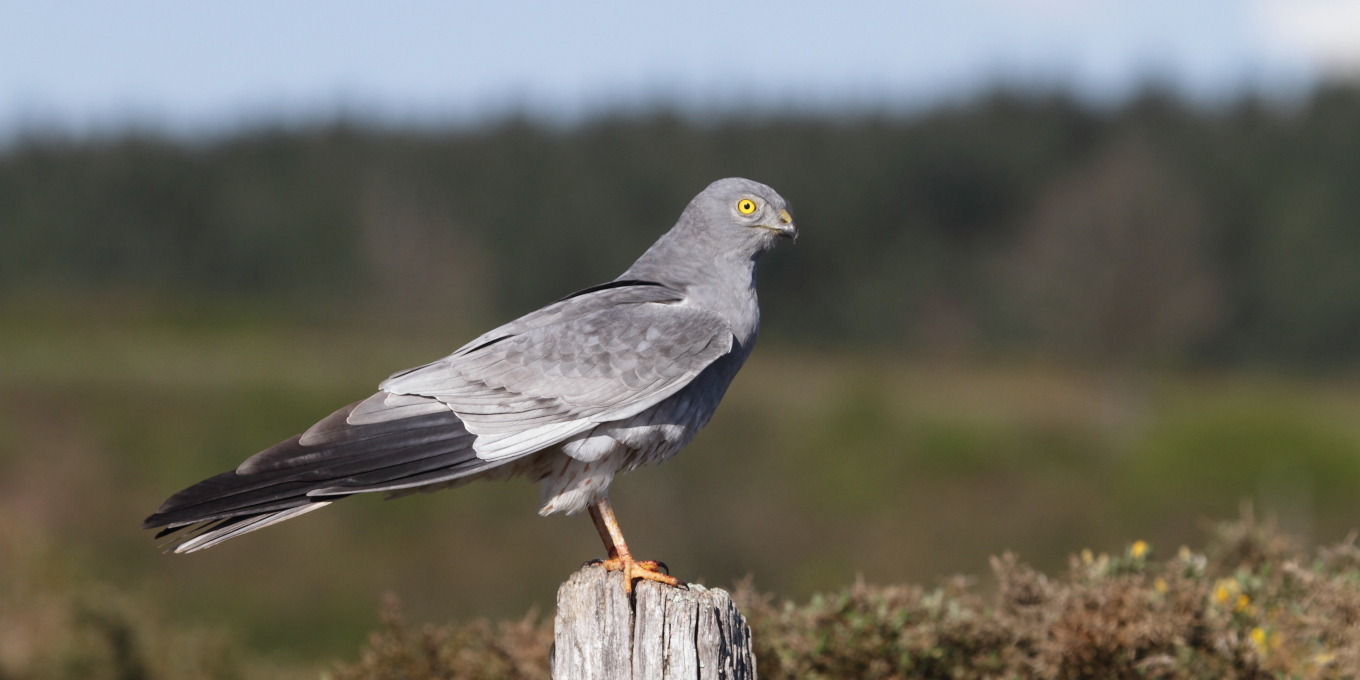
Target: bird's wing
{"x": 605, "y": 354}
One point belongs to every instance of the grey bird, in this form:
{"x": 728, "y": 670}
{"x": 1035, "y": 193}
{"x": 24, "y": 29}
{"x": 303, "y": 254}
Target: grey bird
{"x": 607, "y": 379}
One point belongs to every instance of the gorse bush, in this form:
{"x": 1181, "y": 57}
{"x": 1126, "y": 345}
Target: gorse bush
{"x": 1252, "y": 606}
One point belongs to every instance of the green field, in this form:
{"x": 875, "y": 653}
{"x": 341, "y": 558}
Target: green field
{"x": 819, "y": 467}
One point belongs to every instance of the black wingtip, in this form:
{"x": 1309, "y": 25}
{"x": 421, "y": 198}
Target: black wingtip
{"x": 163, "y": 532}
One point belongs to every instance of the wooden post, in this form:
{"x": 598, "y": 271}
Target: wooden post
{"x": 665, "y": 633}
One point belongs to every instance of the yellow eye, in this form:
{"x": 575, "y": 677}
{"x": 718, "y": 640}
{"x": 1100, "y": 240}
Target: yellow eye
{"x": 746, "y": 206}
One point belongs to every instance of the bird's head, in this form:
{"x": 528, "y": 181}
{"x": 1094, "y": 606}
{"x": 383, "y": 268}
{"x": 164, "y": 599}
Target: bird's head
{"x": 743, "y": 214}
{"x": 729, "y": 224}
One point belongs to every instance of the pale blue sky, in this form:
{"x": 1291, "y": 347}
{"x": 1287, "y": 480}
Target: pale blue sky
{"x": 196, "y": 66}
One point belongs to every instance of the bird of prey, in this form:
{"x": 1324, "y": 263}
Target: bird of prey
{"x": 604, "y": 380}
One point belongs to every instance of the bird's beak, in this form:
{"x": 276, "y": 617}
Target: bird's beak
{"x": 786, "y": 227}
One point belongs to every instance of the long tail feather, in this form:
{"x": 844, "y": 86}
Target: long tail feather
{"x": 418, "y": 443}
{"x": 244, "y": 525}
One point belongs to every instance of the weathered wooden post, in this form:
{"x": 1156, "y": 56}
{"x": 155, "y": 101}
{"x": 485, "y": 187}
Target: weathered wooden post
{"x": 664, "y": 633}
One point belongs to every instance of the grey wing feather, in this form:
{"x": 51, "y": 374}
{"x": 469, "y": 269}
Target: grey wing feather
{"x": 384, "y": 407}
{"x": 548, "y": 376}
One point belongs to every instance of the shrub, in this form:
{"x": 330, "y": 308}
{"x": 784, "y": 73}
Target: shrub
{"x": 516, "y": 650}
{"x": 1253, "y": 605}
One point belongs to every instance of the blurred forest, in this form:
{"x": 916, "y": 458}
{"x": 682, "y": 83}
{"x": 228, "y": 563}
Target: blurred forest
{"x": 1015, "y": 323}
{"x": 1155, "y": 232}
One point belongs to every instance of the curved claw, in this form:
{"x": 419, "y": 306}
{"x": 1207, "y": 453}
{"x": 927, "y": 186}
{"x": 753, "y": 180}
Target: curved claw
{"x": 647, "y": 569}
{"x": 654, "y": 565}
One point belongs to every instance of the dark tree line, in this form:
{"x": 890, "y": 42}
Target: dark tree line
{"x": 1154, "y": 232}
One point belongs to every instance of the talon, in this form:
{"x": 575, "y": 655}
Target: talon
{"x": 654, "y": 565}
{"x": 633, "y": 570}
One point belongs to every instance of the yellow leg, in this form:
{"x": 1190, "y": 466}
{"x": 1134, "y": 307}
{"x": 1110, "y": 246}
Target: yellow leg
{"x": 619, "y": 557}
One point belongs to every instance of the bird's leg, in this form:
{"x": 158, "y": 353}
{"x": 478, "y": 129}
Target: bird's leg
{"x": 619, "y": 557}
{"x": 605, "y": 529}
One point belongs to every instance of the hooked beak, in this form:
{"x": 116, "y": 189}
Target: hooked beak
{"x": 786, "y": 227}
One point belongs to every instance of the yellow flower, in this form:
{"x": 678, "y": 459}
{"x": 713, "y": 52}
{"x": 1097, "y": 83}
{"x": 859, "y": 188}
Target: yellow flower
{"x": 1086, "y": 557}
{"x": 1184, "y": 553}
{"x": 1258, "y": 638}
{"x": 1241, "y": 604}
{"x": 1159, "y": 585}
{"x": 1324, "y": 658}
{"x": 1138, "y": 549}
{"x": 1224, "y": 589}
